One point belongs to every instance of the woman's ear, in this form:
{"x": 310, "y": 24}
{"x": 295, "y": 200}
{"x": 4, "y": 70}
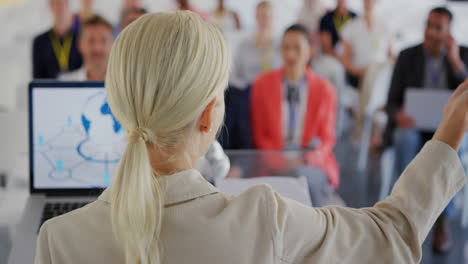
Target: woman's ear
{"x": 206, "y": 118}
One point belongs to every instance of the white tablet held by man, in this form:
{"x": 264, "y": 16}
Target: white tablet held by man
{"x": 426, "y": 106}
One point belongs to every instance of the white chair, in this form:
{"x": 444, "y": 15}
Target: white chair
{"x": 377, "y": 84}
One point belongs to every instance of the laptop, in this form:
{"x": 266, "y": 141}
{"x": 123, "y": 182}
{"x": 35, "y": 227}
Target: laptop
{"x": 75, "y": 144}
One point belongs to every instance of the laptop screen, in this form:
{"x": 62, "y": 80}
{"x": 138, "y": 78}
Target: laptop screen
{"x": 76, "y": 140}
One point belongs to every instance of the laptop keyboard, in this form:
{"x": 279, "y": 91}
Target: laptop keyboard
{"x": 59, "y": 208}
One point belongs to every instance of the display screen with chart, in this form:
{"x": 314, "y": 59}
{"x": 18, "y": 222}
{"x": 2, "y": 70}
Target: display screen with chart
{"x": 77, "y": 141}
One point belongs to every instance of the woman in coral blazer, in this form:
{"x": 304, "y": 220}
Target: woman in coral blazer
{"x": 318, "y": 127}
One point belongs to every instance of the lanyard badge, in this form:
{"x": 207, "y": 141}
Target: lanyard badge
{"x": 62, "y": 51}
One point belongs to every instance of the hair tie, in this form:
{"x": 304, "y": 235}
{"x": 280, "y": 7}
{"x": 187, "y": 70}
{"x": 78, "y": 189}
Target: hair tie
{"x": 140, "y": 133}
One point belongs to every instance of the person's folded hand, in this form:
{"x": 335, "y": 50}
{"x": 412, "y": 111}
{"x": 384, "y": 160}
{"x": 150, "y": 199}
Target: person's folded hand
{"x": 403, "y": 120}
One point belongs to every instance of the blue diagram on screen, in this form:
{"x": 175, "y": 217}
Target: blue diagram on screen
{"x": 96, "y": 118}
{"x": 89, "y": 143}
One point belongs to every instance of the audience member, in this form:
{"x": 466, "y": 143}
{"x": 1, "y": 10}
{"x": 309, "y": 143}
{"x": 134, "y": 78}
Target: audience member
{"x": 437, "y": 63}
{"x": 226, "y": 20}
{"x": 294, "y": 109}
{"x": 255, "y": 54}
{"x": 366, "y": 40}
{"x": 130, "y": 15}
{"x": 95, "y": 43}
{"x": 310, "y": 15}
{"x": 56, "y": 51}
{"x": 331, "y": 25}
{"x": 185, "y": 5}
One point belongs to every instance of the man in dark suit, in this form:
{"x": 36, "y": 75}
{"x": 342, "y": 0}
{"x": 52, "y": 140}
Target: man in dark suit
{"x": 438, "y": 63}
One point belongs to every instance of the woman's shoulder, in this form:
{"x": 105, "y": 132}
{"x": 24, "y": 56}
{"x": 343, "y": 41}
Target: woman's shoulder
{"x": 268, "y": 78}
{"x": 90, "y": 217}
{"x": 261, "y": 197}
{"x": 258, "y": 191}
{"x": 88, "y": 229}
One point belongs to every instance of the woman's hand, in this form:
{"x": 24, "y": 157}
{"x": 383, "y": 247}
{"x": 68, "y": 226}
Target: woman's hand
{"x": 454, "y": 123}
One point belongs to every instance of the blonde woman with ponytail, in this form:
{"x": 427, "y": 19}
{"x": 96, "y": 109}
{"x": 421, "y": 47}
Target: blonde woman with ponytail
{"x": 166, "y": 77}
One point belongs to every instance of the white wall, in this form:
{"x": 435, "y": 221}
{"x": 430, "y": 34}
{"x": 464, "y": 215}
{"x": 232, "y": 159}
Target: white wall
{"x": 19, "y": 24}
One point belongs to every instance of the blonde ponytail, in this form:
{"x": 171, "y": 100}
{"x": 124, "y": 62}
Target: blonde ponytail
{"x": 163, "y": 71}
{"x": 134, "y": 185}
